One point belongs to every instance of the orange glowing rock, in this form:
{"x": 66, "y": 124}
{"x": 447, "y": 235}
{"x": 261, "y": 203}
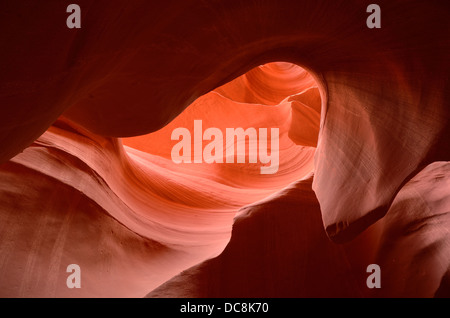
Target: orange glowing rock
{"x": 86, "y": 174}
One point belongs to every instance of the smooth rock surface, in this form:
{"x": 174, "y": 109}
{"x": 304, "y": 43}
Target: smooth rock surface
{"x": 364, "y": 111}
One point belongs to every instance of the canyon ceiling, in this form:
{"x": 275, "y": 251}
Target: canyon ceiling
{"x": 87, "y": 178}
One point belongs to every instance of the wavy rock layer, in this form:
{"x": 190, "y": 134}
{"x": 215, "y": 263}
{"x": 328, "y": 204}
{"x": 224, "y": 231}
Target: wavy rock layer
{"x": 415, "y": 238}
{"x": 279, "y": 249}
{"x": 385, "y": 93}
{"x": 147, "y": 218}
{"x": 381, "y": 146}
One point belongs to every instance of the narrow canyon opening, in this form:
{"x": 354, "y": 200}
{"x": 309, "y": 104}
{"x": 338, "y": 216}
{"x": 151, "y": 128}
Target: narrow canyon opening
{"x": 277, "y": 95}
{"x": 317, "y": 194}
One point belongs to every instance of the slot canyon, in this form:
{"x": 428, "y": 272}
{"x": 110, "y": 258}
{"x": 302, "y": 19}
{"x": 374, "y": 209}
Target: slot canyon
{"x": 87, "y": 174}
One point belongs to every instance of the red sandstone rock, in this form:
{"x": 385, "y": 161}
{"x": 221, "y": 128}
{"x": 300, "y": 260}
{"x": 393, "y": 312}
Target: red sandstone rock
{"x": 414, "y": 243}
{"x": 134, "y": 67}
{"x": 174, "y": 215}
{"x": 280, "y": 249}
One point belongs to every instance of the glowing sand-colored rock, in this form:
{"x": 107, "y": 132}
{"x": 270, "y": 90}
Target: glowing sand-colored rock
{"x": 384, "y": 95}
{"x": 133, "y": 68}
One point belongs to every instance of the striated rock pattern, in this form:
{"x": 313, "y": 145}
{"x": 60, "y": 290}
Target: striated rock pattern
{"x": 86, "y": 175}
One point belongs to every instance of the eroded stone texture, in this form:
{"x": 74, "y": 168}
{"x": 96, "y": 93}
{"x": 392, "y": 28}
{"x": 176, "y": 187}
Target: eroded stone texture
{"x": 381, "y": 96}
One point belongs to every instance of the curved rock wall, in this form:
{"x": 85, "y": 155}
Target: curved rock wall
{"x": 370, "y": 122}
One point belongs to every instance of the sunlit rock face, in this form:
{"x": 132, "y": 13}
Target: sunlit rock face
{"x": 128, "y": 215}
{"x": 279, "y": 249}
{"x": 88, "y": 177}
